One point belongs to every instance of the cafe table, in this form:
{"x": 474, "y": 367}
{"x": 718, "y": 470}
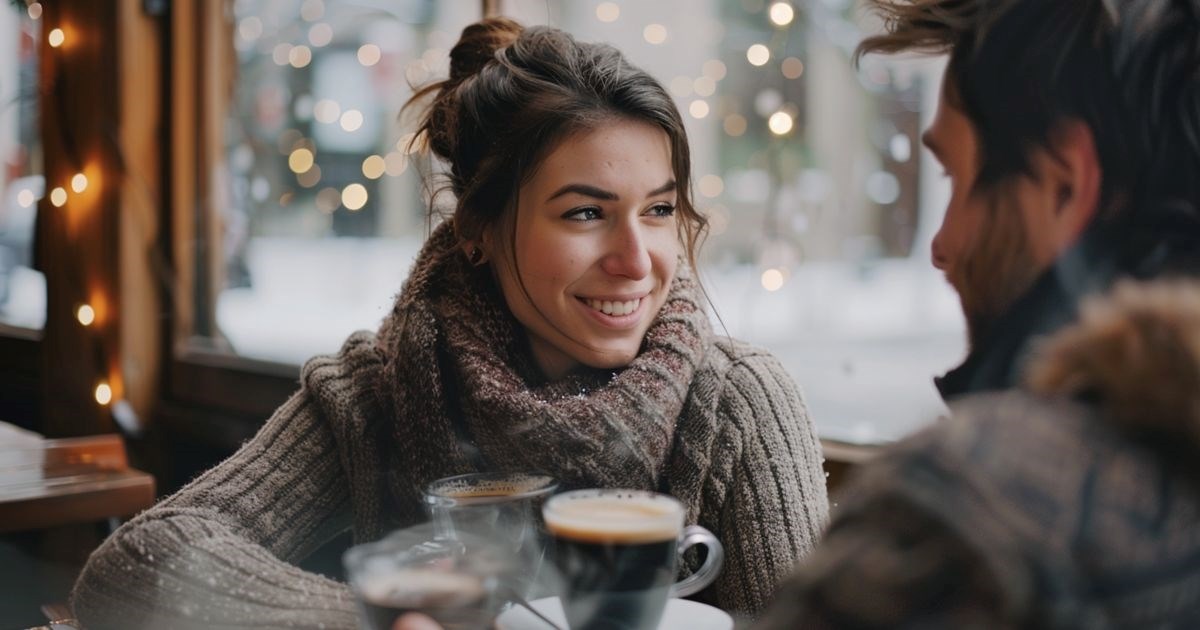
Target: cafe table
{"x": 52, "y": 482}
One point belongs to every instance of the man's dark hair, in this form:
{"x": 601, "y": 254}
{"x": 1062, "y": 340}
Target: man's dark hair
{"x": 1128, "y": 69}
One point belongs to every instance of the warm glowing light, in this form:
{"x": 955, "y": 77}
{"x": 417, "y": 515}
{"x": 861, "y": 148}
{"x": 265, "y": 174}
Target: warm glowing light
{"x": 354, "y": 197}
{"x": 374, "y": 167}
{"x": 781, "y": 13}
{"x": 772, "y": 279}
{"x": 655, "y": 33}
{"x": 280, "y": 53}
{"x": 792, "y": 68}
{"x": 300, "y": 160}
{"x": 250, "y": 28}
{"x": 56, "y": 38}
{"x": 310, "y": 178}
{"x": 79, "y": 182}
{"x": 758, "y": 55}
{"x": 395, "y": 163}
{"x": 35, "y": 10}
{"x": 351, "y": 120}
{"x": 704, "y": 86}
{"x": 328, "y": 200}
{"x": 369, "y": 54}
{"x": 320, "y": 35}
{"x": 698, "y": 109}
{"x": 25, "y": 198}
{"x": 608, "y": 12}
{"x": 312, "y": 10}
{"x": 711, "y": 185}
{"x": 714, "y": 69}
{"x": 327, "y": 111}
{"x": 103, "y": 393}
{"x": 300, "y": 56}
{"x": 85, "y": 314}
{"x": 735, "y": 125}
{"x": 58, "y": 197}
{"x": 405, "y": 144}
{"x": 780, "y": 123}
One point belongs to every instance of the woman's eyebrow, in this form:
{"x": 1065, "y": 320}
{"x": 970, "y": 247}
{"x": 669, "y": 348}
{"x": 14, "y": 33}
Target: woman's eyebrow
{"x": 588, "y": 190}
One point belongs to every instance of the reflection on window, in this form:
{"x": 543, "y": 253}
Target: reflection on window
{"x": 22, "y": 290}
{"x": 821, "y": 203}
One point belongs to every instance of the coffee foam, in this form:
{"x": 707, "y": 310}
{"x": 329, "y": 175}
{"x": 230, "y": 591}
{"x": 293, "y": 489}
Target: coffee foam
{"x": 621, "y": 519}
{"x": 487, "y": 488}
{"x": 418, "y": 587}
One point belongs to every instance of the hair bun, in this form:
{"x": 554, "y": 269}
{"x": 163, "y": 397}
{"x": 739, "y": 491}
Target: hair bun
{"x": 478, "y": 45}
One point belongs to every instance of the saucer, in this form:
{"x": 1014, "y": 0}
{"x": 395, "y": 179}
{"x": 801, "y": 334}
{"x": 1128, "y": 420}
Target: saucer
{"x": 681, "y": 614}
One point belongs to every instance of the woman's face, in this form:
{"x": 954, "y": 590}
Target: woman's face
{"x": 596, "y": 247}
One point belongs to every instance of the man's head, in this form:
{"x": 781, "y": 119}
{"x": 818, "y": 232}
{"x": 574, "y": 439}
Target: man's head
{"x": 1057, "y": 119}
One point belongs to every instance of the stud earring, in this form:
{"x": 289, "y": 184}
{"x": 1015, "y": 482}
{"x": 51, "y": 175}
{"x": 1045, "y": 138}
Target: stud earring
{"x": 476, "y": 256}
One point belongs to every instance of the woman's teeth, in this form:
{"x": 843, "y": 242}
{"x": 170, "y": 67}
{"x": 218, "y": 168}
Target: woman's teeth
{"x": 615, "y": 309}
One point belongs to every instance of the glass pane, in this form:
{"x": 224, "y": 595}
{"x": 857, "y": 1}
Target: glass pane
{"x": 821, "y": 201}
{"x": 320, "y": 211}
{"x": 22, "y": 290}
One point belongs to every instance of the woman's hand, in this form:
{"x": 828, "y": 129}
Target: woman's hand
{"x": 415, "y": 621}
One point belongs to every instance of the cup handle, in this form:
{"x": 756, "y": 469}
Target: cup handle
{"x": 694, "y": 583}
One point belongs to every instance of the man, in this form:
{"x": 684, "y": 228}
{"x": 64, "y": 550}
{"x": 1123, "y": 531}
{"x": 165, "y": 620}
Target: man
{"x": 1064, "y": 489}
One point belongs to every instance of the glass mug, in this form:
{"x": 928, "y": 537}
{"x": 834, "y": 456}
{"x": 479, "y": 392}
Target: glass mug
{"x": 618, "y": 553}
{"x": 502, "y": 507}
{"x": 407, "y": 572}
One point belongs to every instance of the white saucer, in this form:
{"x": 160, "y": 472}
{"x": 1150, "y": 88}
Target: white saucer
{"x": 681, "y": 614}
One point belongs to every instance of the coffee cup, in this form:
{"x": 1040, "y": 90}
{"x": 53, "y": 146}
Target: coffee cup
{"x": 618, "y": 553}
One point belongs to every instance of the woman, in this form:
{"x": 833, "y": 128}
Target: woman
{"x": 553, "y": 323}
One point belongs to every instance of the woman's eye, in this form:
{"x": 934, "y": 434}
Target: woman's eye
{"x": 661, "y": 210}
{"x": 590, "y": 213}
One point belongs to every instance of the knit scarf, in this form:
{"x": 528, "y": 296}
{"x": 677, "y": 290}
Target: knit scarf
{"x": 462, "y": 393}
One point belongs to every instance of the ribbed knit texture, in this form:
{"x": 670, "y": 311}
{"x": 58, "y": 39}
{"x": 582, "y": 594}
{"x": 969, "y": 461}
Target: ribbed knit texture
{"x": 716, "y": 423}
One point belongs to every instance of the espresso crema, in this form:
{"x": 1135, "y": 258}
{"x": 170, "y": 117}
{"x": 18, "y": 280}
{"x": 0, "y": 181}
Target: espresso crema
{"x": 622, "y": 519}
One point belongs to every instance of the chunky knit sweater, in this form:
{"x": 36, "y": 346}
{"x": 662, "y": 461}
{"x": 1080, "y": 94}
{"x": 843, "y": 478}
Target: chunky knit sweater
{"x": 366, "y": 430}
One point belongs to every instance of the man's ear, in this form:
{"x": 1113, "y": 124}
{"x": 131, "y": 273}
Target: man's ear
{"x": 1069, "y": 178}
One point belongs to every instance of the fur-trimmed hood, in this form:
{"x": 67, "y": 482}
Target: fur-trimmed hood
{"x": 1136, "y": 352}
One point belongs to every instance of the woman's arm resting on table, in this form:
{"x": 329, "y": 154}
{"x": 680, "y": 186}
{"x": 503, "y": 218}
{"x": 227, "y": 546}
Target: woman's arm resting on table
{"x": 217, "y": 553}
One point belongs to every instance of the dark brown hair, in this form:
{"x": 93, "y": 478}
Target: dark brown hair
{"x": 513, "y": 93}
{"x": 1129, "y": 69}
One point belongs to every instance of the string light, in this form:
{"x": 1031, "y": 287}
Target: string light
{"x": 327, "y": 111}
{"x": 300, "y": 160}
{"x": 781, "y": 13}
{"x": 705, "y": 86}
{"x": 103, "y": 393}
{"x": 772, "y": 279}
{"x": 758, "y": 55}
{"x": 85, "y": 314}
{"x": 395, "y": 163}
{"x": 79, "y": 182}
{"x": 320, "y": 34}
{"x": 25, "y": 198}
{"x": 35, "y": 10}
{"x": 735, "y": 125}
{"x": 374, "y": 167}
{"x": 354, "y": 196}
{"x": 792, "y": 68}
{"x": 58, "y": 197}
{"x": 56, "y": 38}
{"x": 299, "y": 56}
{"x": 780, "y": 123}
{"x": 655, "y": 33}
{"x": 698, "y": 109}
{"x": 608, "y": 12}
{"x": 369, "y": 54}
{"x": 250, "y": 28}
{"x": 351, "y": 120}
{"x": 711, "y": 185}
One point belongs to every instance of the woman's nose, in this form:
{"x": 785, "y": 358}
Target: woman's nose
{"x": 628, "y": 255}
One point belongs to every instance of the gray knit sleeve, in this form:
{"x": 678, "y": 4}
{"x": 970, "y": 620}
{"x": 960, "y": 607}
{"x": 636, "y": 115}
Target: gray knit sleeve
{"x": 218, "y": 552}
{"x": 776, "y": 505}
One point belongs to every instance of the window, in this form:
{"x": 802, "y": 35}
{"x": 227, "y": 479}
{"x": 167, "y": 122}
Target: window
{"x": 22, "y": 290}
{"x": 821, "y": 201}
